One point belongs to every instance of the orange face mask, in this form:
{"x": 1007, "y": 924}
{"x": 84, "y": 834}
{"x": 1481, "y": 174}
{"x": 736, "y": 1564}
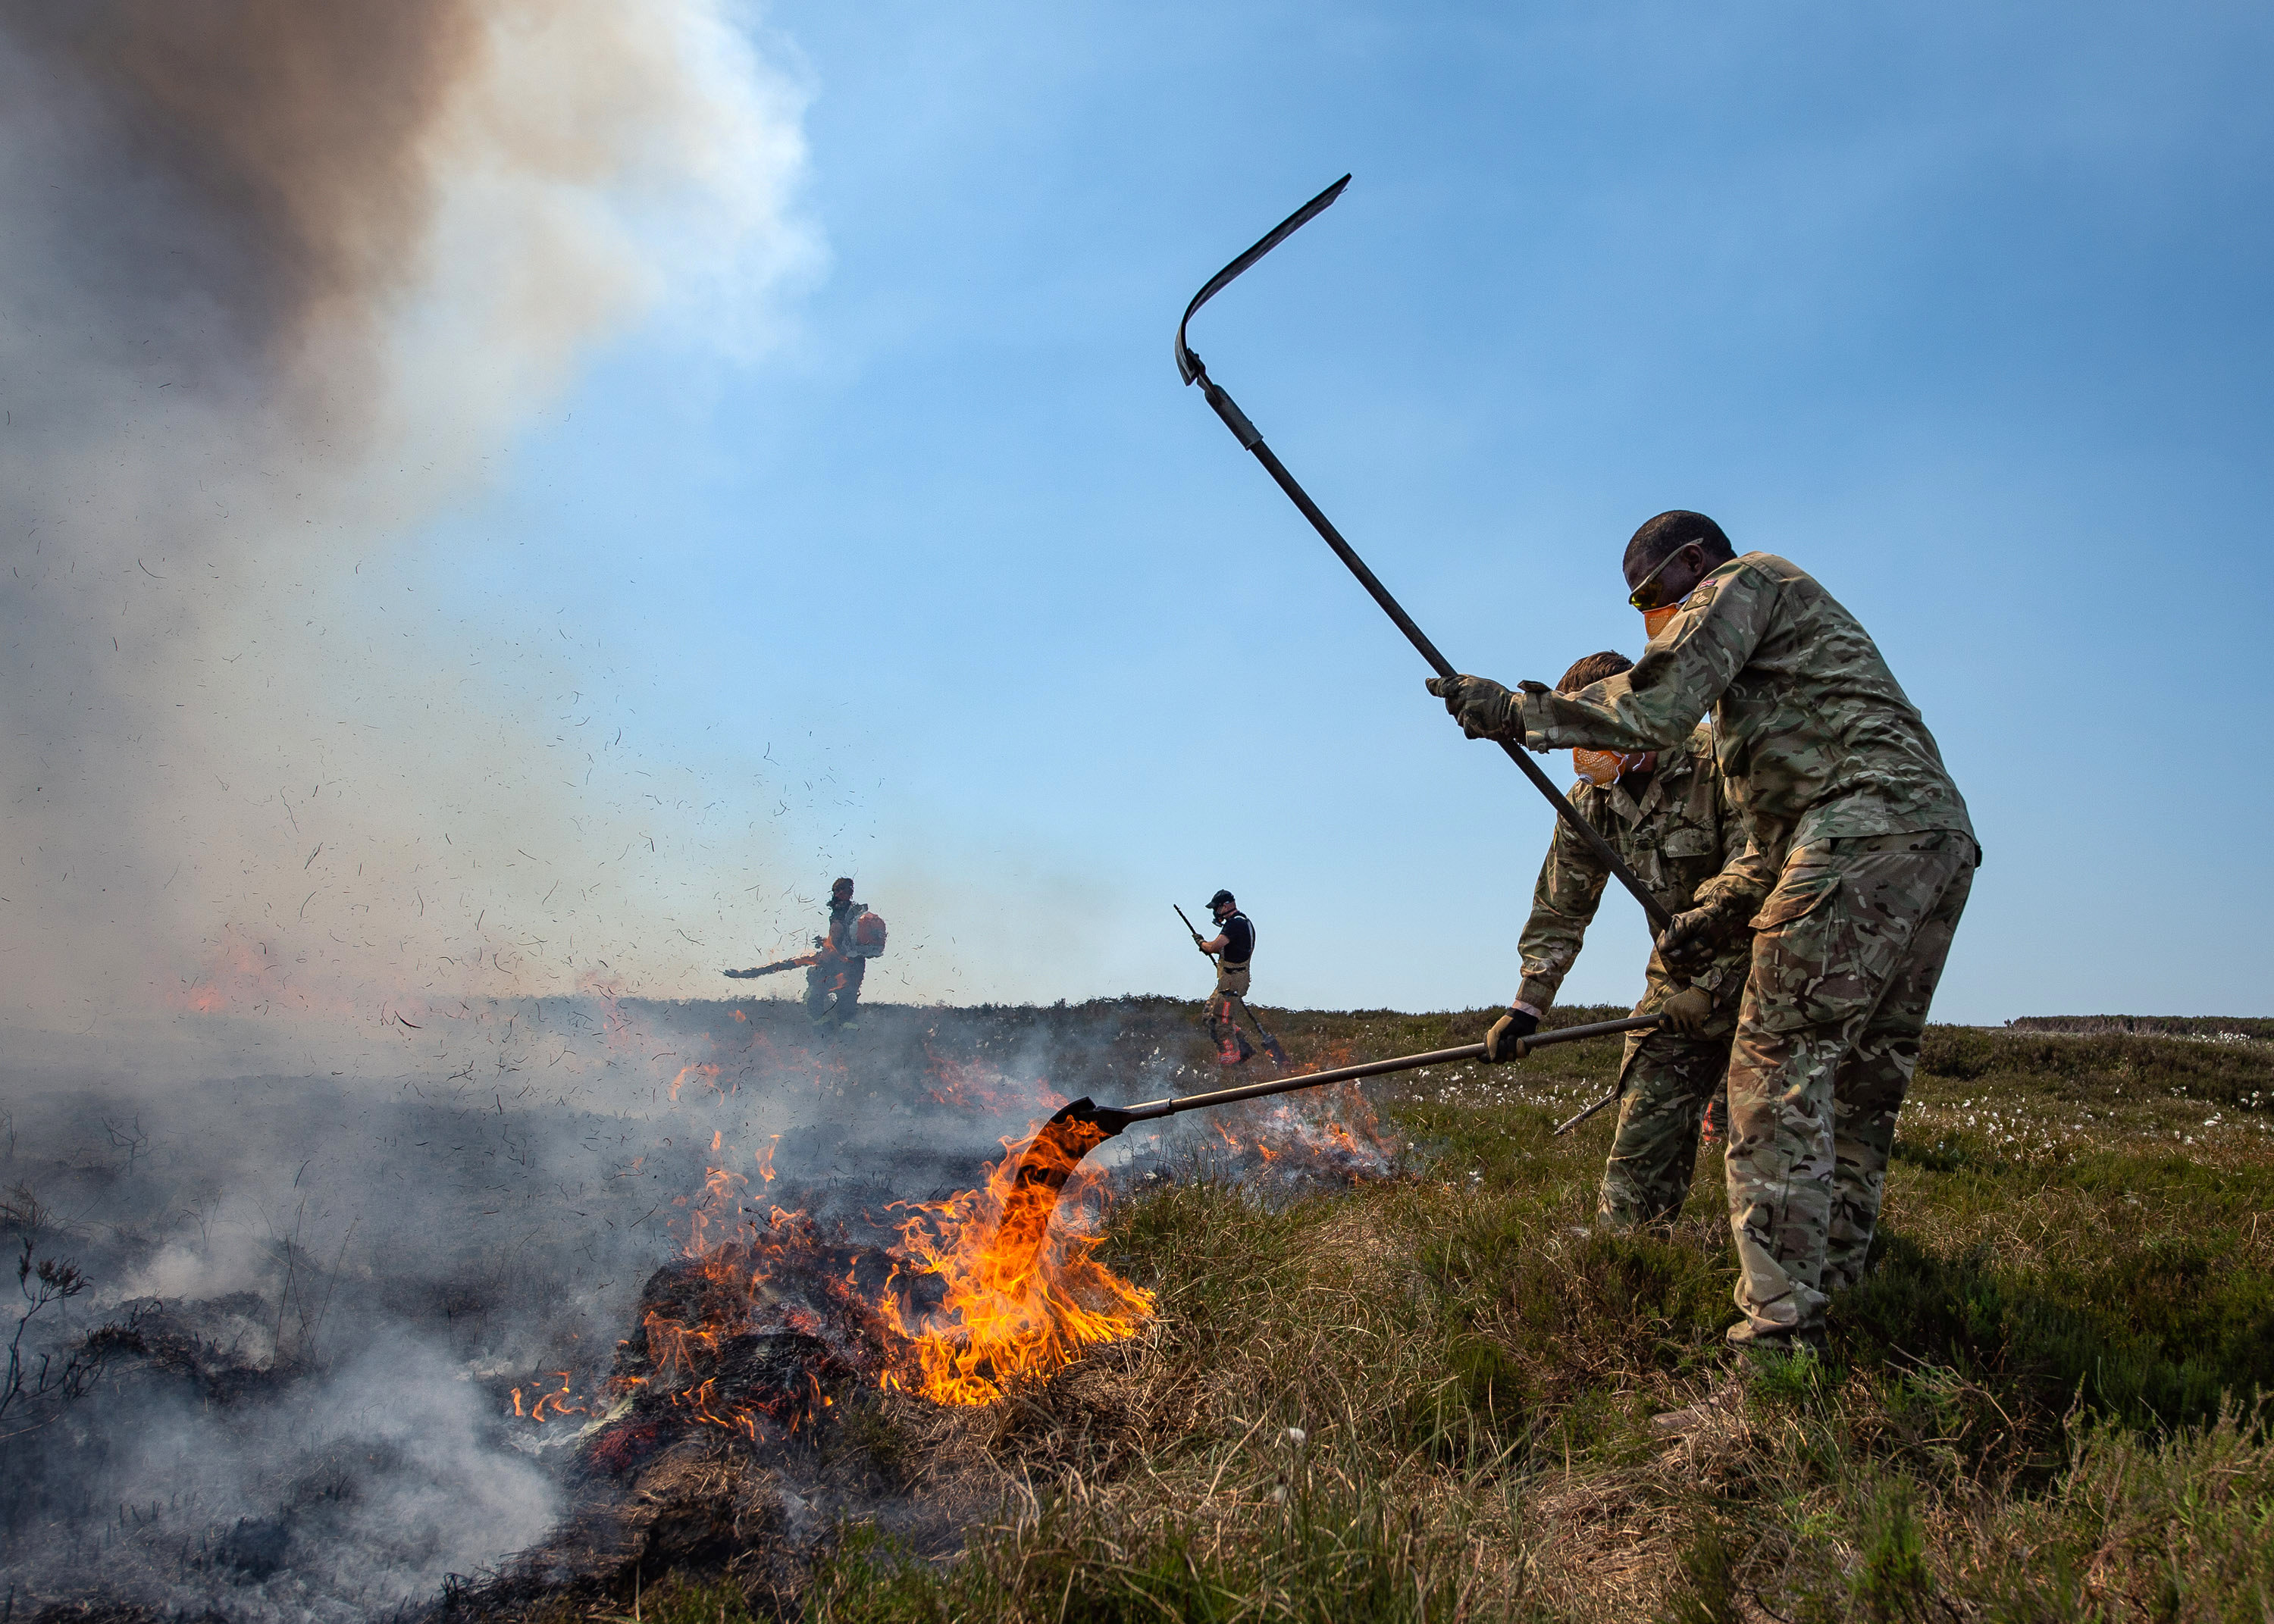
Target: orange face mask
{"x": 1604, "y": 768}
{"x": 1653, "y": 621}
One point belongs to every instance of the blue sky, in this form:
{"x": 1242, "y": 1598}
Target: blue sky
{"x": 1961, "y": 307}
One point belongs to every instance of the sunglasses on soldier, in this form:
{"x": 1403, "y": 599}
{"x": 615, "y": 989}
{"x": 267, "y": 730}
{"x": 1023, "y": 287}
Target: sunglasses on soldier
{"x": 1645, "y": 596}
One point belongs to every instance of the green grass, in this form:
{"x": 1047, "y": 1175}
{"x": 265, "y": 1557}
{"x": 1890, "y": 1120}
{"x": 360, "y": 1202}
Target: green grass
{"x": 1431, "y": 1398}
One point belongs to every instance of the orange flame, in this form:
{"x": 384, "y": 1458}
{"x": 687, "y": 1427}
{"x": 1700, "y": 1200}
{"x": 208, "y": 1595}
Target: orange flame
{"x": 707, "y": 1073}
{"x": 1010, "y": 1310}
{"x": 558, "y": 1398}
{"x": 983, "y": 1294}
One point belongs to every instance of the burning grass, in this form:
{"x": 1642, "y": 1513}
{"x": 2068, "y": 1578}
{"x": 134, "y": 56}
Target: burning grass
{"x": 1421, "y": 1385}
{"x": 752, "y": 1330}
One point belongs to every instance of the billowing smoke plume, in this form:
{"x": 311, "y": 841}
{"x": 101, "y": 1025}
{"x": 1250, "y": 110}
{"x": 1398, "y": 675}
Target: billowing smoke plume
{"x": 279, "y": 280}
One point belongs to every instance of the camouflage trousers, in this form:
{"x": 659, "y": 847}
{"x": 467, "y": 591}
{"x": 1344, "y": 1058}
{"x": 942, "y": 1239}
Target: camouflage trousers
{"x": 1846, "y": 955}
{"x": 1666, "y": 1083}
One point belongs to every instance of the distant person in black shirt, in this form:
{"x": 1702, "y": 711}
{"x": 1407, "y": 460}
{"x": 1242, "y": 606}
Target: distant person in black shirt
{"x": 1233, "y": 945}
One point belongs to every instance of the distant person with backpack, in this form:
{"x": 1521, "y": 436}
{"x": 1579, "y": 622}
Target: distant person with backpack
{"x": 838, "y": 964}
{"x": 832, "y": 985}
{"x": 1232, "y": 948}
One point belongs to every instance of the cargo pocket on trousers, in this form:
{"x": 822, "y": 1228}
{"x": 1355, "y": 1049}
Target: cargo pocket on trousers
{"x": 1796, "y": 895}
{"x": 1803, "y": 948}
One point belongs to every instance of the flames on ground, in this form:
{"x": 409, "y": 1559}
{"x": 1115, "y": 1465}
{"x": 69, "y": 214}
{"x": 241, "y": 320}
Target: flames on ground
{"x": 770, "y": 1312}
{"x": 667, "y": 1284}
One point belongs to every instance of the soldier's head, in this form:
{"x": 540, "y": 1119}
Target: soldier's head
{"x": 1222, "y": 906}
{"x": 1669, "y": 555}
{"x": 1602, "y": 768}
{"x": 842, "y": 892}
{"x": 1593, "y": 669}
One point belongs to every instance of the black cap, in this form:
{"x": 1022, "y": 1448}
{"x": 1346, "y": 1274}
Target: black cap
{"x": 1221, "y": 899}
{"x": 842, "y": 883}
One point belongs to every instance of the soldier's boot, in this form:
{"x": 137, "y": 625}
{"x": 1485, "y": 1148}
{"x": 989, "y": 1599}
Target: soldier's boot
{"x": 1235, "y": 1049}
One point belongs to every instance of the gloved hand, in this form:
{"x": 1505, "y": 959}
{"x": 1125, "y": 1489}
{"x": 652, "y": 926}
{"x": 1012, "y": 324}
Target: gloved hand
{"x": 1687, "y": 1011}
{"x": 1507, "y": 1031}
{"x": 1689, "y": 943}
{"x": 1484, "y": 708}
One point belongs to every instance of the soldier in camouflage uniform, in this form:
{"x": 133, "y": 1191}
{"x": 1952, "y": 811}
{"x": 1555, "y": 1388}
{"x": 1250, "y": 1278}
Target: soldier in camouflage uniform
{"x": 1867, "y": 849}
{"x": 1669, "y": 815}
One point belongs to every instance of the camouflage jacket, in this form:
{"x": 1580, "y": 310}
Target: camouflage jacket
{"x": 1816, "y": 736}
{"x": 1684, "y": 830}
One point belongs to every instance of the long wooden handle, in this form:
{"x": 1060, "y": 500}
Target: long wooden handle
{"x": 1153, "y": 1110}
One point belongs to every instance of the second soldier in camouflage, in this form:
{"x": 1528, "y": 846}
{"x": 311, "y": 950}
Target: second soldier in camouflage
{"x": 1671, "y": 817}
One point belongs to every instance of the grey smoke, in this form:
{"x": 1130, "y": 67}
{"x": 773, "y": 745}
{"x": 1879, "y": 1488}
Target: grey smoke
{"x": 278, "y": 280}
{"x": 337, "y": 1283}
{"x": 275, "y": 279}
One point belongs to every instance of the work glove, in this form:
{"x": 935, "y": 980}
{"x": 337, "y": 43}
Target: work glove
{"x": 1689, "y": 943}
{"x": 1484, "y": 708}
{"x": 1687, "y": 1011}
{"x": 1507, "y": 1033}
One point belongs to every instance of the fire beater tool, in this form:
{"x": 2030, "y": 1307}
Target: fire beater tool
{"x": 1189, "y": 368}
{"x": 1566, "y": 1126}
{"x": 1271, "y": 1045}
{"x": 1080, "y": 1127}
{"x": 804, "y": 961}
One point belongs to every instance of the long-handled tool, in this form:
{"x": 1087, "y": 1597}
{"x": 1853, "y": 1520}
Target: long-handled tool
{"x": 1564, "y": 1127}
{"x": 1271, "y": 1045}
{"x": 804, "y": 961}
{"x": 1189, "y": 368}
{"x": 1059, "y": 1144}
